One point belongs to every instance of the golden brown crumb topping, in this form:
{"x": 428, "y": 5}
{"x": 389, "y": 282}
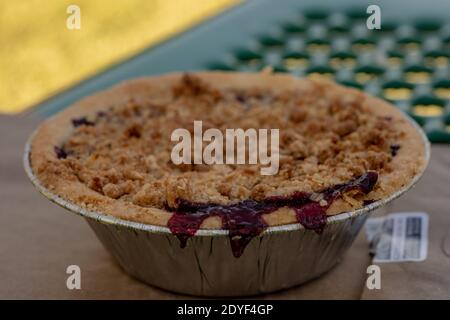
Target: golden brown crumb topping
{"x": 326, "y": 138}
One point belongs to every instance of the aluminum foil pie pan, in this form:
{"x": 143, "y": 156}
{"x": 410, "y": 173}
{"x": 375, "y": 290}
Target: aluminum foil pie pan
{"x": 280, "y": 257}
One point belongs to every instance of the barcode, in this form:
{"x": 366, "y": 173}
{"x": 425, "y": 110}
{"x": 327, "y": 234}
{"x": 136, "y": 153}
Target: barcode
{"x": 413, "y": 234}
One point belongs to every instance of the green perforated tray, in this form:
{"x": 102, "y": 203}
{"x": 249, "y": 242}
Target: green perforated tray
{"x": 406, "y": 62}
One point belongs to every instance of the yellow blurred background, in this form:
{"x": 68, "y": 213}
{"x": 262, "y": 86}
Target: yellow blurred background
{"x": 40, "y": 56}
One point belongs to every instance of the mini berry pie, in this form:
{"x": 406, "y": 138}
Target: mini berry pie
{"x": 339, "y": 150}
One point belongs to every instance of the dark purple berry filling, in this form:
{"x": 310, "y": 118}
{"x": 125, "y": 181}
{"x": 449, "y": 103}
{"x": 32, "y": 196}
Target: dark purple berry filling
{"x": 101, "y": 114}
{"x": 83, "y": 121}
{"x": 244, "y": 219}
{"x": 240, "y": 97}
{"x": 60, "y": 152}
{"x": 368, "y": 201}
{"x": 394, "y": 149}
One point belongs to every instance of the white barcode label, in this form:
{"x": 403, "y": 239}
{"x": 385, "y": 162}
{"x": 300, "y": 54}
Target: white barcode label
{"x": 398, "y": 237}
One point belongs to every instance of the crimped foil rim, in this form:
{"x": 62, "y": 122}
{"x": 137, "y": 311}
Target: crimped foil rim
{"x": 109, "y": 219}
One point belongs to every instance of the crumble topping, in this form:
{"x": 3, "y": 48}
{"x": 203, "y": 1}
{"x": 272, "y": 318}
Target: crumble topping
{"x": 325, "y": 139}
